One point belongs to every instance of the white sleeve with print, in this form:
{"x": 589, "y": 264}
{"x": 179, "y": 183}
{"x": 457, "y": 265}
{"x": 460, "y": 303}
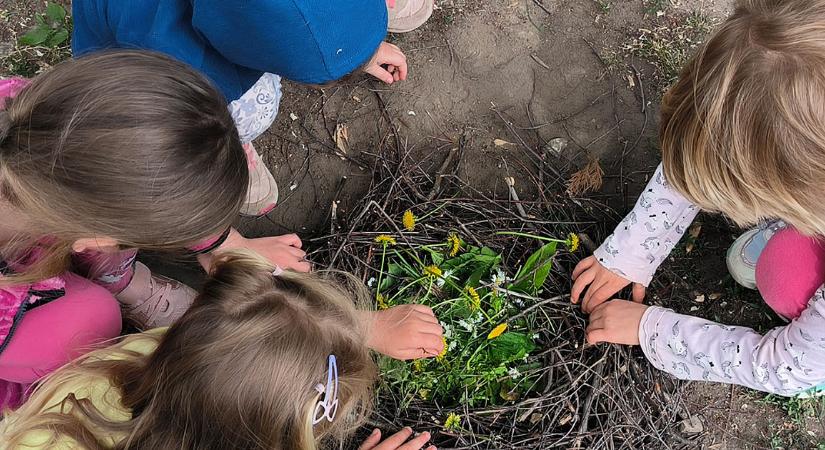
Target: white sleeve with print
{"x": 647, "y": 235}
{"x": 786, "y": 360}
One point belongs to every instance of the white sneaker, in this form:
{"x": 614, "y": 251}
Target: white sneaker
{"x": 746, "y": 249}
{"x": 407, "y": 15}
{"x": 152, "y": 301}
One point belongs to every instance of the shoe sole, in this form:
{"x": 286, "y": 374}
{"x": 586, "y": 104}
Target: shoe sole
{"x": 740, "y": 271}
{"x": 414, "y": 21}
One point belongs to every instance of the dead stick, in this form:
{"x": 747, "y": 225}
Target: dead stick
{"x": 511, "y": 185}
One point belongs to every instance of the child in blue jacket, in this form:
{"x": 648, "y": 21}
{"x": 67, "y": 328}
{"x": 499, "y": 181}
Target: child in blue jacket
{"x": 245, "y": 47}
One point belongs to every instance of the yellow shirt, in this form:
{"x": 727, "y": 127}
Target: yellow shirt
{"x": 97, "y": 389}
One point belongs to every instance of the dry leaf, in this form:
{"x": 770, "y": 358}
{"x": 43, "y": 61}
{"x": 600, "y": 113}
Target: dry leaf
{"x": 502, "y": 143}
{"x": 693, "y": 232}
{"x": 699, "y": 298}
{"x": 342, "y": 138}
{"x": 586, "y": 180}
{"x": 715, "y": 296}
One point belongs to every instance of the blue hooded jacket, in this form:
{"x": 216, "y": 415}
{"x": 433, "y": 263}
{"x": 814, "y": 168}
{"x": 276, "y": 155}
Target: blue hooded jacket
{"x": 234, "y": 42}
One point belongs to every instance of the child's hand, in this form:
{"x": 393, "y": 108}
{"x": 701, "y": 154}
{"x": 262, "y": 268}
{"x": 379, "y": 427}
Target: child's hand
{"x": 617, "y": 322}
{"x": 601, "y": 284}
{"x": 283, "y": 251}
{"x": 405, "y": 332}
{"x": 390, "y": 56}
{"x": 397, "y": 441}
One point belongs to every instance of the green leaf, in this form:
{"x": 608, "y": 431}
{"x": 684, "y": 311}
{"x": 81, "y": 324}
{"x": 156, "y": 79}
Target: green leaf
{"x": 58, "y": 38}
{"x": 510, "y": 346}
{"x": 437, "y": 258}
{"x": 394, "y": 271}
{"x": 55, "y": 12}
{"x": 40, "y": 19}
{"x": 35, "y": 36}
{"x": 534, "y": 272}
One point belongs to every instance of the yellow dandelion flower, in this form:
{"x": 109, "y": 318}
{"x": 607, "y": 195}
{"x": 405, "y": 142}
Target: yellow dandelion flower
{"x": 432, "y": 272}
{"x": 455, "y": 244}
{"x": 418, "y": 365}
{"x": 381, "y": 301}
{"x": 453, "y": 422}
{"x": 475, "y": 299}
{"x": 440, "y": 356}
{"x": 573, "y": 242}
{"x": 408, "y": 220}
{"x": 497, "y": 331}
{"x": 385, "y": 239}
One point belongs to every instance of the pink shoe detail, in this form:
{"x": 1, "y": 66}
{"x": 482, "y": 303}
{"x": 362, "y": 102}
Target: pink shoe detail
{"x": 152, "y": 301}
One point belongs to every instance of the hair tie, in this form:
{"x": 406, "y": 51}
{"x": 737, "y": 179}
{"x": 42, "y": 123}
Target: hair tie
{"x": 327, "y": 406}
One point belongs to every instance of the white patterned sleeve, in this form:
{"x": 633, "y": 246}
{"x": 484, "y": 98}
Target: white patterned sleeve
{"x": 785, "y": 361}
{"x": 646, "y": 236}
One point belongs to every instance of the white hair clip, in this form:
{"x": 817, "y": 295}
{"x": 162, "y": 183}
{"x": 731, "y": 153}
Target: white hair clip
{"x": 327, "y": 406}
{"x": 278, "y": 271}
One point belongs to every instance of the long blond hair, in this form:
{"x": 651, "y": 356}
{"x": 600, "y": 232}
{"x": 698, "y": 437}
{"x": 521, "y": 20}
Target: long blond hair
{"x": 743, "y": 130}
{"x": 239, "y": 371}
{"x": 129, "y": 145}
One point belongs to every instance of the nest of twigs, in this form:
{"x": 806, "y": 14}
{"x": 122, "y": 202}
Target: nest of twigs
{"x": 587, "y": 397}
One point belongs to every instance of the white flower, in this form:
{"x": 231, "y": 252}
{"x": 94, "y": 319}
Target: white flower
{"x": 499, "y": 278}
{"x": 469, "y": 326}
{"x": 514, "y": 373}
{"x": 371, "y": 282}
{"x": 448, "y": 330}
{"x": 452, "y": 346}
{"x": 443, "y": 278}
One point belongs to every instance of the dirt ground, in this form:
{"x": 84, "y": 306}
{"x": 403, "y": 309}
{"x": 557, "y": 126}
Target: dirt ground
{"x": 515, "y": 84}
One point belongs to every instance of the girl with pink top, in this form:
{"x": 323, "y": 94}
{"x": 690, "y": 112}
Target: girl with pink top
{"x": 106, "y": 154}
{"x": 742, "y": 133}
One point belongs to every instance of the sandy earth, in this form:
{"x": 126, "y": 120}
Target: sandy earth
{"x": 502, "y": 79}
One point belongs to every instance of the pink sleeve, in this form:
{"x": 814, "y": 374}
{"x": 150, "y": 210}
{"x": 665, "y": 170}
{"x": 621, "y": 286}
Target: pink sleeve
{"x": 10, "y": 87}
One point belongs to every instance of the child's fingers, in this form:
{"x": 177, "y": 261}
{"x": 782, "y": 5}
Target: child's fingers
{"x": 583, "y": 265}
{"x": 580, "y": 284}
{"x": 638, "y": 295}
{"x": 596, "y": 294}
{"x": 599, "y": 296}
{"x": 373, "y": 440}
{"x": 416, "y": 443}
{"x": 301, "y": 266}
{"x": 432, "y": 342}
{"x": 430, "y": 328}
{"x": 396, "y": 439}
{"x": 423, "y": 309}
{"x": 596, "y": 336}
{"x": 291, "y": 239}
{"x": 382, "y": 75}
{"x": 426, "y": 317}
{"x": 402, "y": 69}
{"x": 595, "y": 324}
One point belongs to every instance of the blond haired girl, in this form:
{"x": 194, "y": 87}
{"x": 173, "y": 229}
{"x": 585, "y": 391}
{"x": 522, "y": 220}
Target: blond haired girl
{"x": 264, "y": 359}
{"x": 743, "y": 134}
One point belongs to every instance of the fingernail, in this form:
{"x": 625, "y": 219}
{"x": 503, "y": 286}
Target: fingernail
{"x": 375, "y": 431}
